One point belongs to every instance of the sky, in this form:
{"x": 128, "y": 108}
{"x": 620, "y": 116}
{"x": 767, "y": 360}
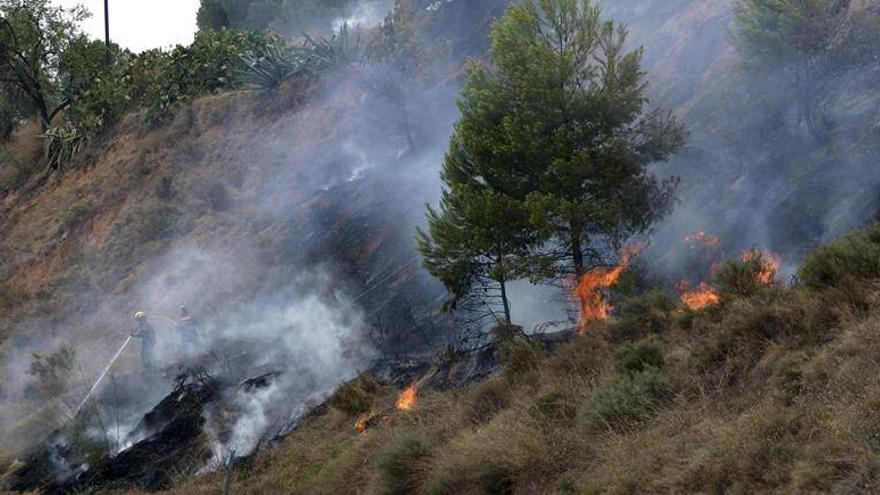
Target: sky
{"x": 141, "y": 24}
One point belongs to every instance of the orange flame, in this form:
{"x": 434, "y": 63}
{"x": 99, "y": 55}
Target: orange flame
{"x": 407, "y": 399}
{"x": 703, "y": 296}
{"x": 702, "y": 237}
{"x": 363, "y": 422}
{"x": 768, "y": 265}
{"x": 594, "y": 306}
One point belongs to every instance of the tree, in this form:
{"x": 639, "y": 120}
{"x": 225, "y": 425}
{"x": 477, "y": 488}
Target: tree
{"x": 558, "y": 123}
{"x": 403, "y": 66}
{"x": 33, "y": 36}
{"x": 14, "y": 108}
{"x": 474, "y": 244}
{"x": 802, "y": 40}
{"x": 286, "y": 17}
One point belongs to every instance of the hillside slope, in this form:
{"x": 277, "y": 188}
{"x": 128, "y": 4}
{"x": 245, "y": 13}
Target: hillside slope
{"x": 286, "y": 219}
{"x": 773, "y": 391}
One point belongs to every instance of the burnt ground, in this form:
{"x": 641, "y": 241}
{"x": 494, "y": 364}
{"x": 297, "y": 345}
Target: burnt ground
{"x": 173, "y": 440}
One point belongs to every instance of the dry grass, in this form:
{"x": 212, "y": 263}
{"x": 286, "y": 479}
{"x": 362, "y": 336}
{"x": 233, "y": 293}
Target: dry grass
{"x": 778, "y": 392}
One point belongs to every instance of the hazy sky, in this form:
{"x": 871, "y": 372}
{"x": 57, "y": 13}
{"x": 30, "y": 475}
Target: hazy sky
{"x": 142, "y": 24}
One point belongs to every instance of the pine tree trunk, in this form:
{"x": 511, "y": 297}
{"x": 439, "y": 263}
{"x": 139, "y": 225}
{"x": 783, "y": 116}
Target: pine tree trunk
{"x": 505, "y": 302}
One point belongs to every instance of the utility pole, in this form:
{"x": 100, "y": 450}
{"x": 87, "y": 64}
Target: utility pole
{"x": 107, "y": 30}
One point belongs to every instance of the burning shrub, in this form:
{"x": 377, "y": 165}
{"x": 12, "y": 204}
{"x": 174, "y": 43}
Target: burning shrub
{"x": 755, "y": 271}
{"x": 854, "y": 257}
{"x": 627, "y": 400}
{"x": 401, "y": 463}
{"x": 355, "y": 397}
{"x": 637, "y": 357}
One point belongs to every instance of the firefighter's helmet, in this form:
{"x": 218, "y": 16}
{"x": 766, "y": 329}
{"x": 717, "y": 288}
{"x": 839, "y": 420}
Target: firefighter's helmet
{"x": 140, "y": 315}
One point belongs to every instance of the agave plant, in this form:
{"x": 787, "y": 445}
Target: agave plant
{"x": 61, "y": 144}
{"x": 341, "y": 49}
{"x": 271, "y": 68}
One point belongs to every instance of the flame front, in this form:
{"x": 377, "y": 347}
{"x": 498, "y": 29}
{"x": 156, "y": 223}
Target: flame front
{"x": 407, "y": 399}
{"x": 594, "y": 305}
{"x": 767, "y": 263}
{"x": 363, "y": 422}
{"x": 702, "y": 237}
{"x": 703, "y": 296}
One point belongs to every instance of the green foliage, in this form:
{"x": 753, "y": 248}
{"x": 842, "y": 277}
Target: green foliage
{"x": 804, "y": 40}
{"x": 748, "y": 276}
{"x": 627, "y": 400}
{"x": 782, "y": 31}
{"x": 99, "y": 94}
{"x": 399, "y": 464}
{"x": 341, "y": 49}
{"x": 636, "y": 357}
{"x": 356, "y": 396}
{"x": 645, "y": 314}
{"x": 206, "y": 66}
{"x": 286, "y": 17}
{"x": 475, "y": 242}
{"x": 34, "y": 35}
{"x": 61, "y": 144}
{"x": 270, "y": 70}
{"x": 14, "y": 108}
{"x": 547, "y": 165}
{"x": 855, "y": 257}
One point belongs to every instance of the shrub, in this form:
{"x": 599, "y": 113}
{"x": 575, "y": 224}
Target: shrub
{"x": 788, "y": 376}
{"x": 515, "y": 351}
{"x": 61, "y": 145}
{"x": 400, "y": 464}
{"x": 485, "y": 400}
{"x": 854, "y": 257}
{"x": 636, "y": 357}
{"x": 52, "y": 371}
{"x": 270, "y": 70}
{"x": 743, "y": 278}
{"x": 355, "y": 397}
{"x": 627, "y": 400}
{"x": 649, "y": 313}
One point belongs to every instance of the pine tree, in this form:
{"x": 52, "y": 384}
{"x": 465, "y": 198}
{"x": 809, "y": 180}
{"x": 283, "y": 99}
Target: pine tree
{"x": 475, "y": 244}
{"x": 794, "y": 38}
{"x": 558, "y": 122}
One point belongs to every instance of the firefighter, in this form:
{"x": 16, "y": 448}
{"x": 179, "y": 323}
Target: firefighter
{"x": 144, "y": 330}
{"x": 188, "y": 330}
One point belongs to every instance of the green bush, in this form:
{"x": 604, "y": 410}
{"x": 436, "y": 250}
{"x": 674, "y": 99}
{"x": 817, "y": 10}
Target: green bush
{"x": 61, "y": 145}
{"x": 747, "y": 277}
{"x": 206, "y": 66}
{"x": 648, "y": 313}
{"x": 400, "y": 464}
{"x": 627, "y": 401}
{"x": 855, "y": 257}
{"x": 637, "y": 357}
{"x": 355, "y": 397}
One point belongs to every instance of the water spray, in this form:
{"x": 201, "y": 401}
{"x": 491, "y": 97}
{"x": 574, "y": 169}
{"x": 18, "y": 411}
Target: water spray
{"x": 101, "y": 377}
